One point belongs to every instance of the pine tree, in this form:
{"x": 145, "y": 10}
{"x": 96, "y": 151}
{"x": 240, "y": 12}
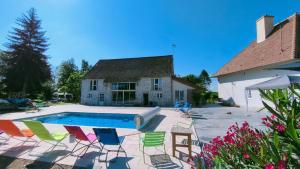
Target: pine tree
{"x": 27, "y": 65}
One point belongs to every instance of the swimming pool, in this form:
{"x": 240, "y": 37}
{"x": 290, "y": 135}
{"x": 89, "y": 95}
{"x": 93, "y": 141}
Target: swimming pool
{"x": 113, "y": 120}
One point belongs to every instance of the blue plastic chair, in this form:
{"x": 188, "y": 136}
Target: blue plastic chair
{"x": 177, "y": 105}
{"x": 109, "y": 136}
{"x": 186, "y": 107}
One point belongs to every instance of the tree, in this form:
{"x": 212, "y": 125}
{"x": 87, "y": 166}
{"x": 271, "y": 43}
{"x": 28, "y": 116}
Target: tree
{"x": 73, "y": 84}
{"x": 85, "y": 67}
{"x": 204, "y": 78}
{"x": 65, "y": 70}
{"x": 2, "y": 74}
{"x": 27, "y": 65}
{"x": 191, "y": 78}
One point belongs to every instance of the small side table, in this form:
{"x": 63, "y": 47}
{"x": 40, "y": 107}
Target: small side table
{"x": 181, "y": 131}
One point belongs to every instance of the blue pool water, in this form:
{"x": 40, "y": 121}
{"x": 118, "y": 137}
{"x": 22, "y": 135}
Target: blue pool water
{"x": 89, "y": 119}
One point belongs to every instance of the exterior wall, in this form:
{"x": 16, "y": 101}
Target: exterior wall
{"x": 180, "y": 86}
{"x": 142, "y": 86}
{"x": 232, "y": 87}
{"x": 101, "y": 88}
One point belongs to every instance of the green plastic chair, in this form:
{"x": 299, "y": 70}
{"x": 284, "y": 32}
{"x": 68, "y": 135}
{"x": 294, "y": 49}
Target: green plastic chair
{"x": 44, "y": 135}
{"x": 153, "y": 139}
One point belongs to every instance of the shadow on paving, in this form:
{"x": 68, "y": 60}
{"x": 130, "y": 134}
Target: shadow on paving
{"x": 119, "y": 163}
{"x": 153, "y": 124}
{"x": 14, "y": 163}
{"x": 163, "y": 161}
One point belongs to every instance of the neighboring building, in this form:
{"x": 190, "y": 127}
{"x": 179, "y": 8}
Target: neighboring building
{"x": 275, "y": 50}
{"x": 134, "y": 81}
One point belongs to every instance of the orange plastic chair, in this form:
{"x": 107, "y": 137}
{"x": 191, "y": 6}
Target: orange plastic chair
{"x": 9, "y": 128}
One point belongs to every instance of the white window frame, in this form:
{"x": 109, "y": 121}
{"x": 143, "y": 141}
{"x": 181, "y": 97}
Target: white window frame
{"x": 90, "y": 95}
{"x": 101, "y": 97}
{"x": 159, "y": 95}
{"x": 180, "y": 95}
{"x": 131, "y": 100}
{"x": 156, "y": 82}
{"x": 93, "y": 85}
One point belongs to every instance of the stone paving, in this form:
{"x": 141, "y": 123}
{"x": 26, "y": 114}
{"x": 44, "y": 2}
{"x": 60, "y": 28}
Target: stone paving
{"x": 154, "y": 158}
{"x": 212, "y": 122}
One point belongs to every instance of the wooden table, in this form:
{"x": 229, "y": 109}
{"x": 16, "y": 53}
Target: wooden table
{"x": 181, "y": 131}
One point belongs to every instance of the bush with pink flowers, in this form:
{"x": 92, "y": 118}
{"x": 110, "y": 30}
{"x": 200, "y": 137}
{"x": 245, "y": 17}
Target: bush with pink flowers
{"x": 278, "y": 147}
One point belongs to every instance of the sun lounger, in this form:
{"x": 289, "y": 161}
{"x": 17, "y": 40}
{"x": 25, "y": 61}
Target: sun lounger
{"x": 45, "y": 136}
{"x": 153, "y": 139}
{"x": 109, "y": 136}
{"x": 80, "y": 136}
{"x": 9, "y": 128}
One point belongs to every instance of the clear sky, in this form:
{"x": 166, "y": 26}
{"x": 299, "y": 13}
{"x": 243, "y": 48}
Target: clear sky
{"x": 207, "y": 33}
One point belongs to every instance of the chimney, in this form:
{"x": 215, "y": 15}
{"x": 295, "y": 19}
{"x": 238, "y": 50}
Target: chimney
{"x": 264, "y": 27}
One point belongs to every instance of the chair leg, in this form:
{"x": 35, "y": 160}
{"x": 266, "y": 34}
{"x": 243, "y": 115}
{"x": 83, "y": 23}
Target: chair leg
{"x": 100, "y": 152}
{"x": 144, "y": 154}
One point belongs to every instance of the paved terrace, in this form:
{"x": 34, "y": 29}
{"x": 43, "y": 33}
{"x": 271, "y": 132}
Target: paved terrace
{"x": 155, "y": 157}
{"x": 213, "y": 121}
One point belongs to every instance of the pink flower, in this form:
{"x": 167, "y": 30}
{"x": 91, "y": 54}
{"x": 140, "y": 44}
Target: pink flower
{"x": 281, "y": 165}
{"x": 269, "y": 166}
{"x": 273, "y": 117}
{"x": 280, "y": 128}
{"x": 246, "y": 156}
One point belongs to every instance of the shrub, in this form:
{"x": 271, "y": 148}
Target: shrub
{"x": 276, "y": 148}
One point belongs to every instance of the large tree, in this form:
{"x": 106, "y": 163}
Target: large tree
{"x": 27, "y": 64}
{"x": 65, "y": 70}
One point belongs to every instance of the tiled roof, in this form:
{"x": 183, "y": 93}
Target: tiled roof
{"x": 279, "y": 47}
{"x": 132, "y": 69}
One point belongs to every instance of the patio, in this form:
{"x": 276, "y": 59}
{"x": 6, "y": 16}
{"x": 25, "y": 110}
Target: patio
{"x": 207, "y": 127}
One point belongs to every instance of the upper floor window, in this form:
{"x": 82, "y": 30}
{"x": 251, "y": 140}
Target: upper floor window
{"x": 156, "y": 84}
{"x": 93, "y": 85}
{"x": 124, "y": 86}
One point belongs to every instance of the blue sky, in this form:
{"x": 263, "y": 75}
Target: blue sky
{"x": 207, "y": 33}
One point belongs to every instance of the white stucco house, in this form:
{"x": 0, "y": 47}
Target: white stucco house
{"x": 274, "y": 53}
{"x": 145, "y": 81}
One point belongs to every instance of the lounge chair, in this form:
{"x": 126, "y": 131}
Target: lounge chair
{"x": 9, "y": 128}
{"x": 2, "y": 138}
{"x": 80, "y": 136}
{"x": 153, "y": 139}
{"x": 45, "y": 136}
{"x": 177, "y": 106}
{"x": 109, "y": 136}
{"x": 186, "y": 107}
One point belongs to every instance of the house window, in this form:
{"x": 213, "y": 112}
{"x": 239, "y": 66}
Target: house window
{"x": 249, "y": 94}
{"x": 179, "y": 95}
{"x": 93, "y": 85}
{"x": 159, "y": 95}
{"x": 89, "y": 96}
{"x": 123, "y": 92}
{"x": 101, "y": 97}
{"x": 156, "y": 84}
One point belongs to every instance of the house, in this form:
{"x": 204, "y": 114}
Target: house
{"x": 274, "y": 53}
{"x": 145, "y": 81}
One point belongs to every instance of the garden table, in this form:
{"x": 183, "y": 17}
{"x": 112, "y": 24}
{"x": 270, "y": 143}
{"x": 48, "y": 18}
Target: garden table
{"x": 181, "y": 131}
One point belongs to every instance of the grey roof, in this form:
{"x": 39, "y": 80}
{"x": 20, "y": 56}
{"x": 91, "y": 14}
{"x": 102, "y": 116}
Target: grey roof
{"x": 132, "y": 69}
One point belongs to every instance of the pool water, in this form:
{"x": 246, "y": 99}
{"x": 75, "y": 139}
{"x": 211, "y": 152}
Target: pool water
{"x": 112, "y": 120}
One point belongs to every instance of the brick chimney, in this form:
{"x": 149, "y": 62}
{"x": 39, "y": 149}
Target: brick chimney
{"x": 264, "y": 27}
